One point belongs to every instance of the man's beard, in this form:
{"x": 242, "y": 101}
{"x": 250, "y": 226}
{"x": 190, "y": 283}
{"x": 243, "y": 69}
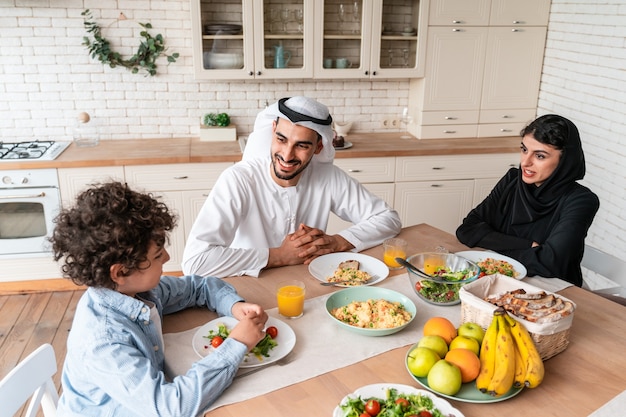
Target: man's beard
{"x": 288, "y": 177}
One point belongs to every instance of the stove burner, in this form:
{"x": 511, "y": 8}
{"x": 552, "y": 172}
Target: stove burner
{"x": 31, "y": 150}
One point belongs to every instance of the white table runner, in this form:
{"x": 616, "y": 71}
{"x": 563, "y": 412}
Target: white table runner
{"x": 321, "y": 345}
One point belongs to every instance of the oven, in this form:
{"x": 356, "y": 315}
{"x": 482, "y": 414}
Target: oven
{"x": 29, "y": 201}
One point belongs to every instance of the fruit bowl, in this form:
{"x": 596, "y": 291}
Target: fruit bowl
{"x": 346, "y": 296}
{"x": 468, "y": 392}
{"x": 453, "y": 267}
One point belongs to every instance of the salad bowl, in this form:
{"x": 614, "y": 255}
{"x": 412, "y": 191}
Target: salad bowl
{"x": 449, "y": 273}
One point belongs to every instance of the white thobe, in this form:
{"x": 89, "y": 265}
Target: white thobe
{"x": 247, "y": 213}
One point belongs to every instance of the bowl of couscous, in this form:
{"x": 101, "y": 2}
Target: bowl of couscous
{"x": 370, "y": 311}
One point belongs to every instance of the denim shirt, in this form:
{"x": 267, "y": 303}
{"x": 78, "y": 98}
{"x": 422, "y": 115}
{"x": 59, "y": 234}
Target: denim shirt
{"x": 115, "y": 362}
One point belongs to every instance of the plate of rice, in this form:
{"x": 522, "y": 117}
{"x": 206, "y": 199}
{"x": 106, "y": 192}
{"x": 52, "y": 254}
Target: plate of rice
{"x": 494, "y": 263}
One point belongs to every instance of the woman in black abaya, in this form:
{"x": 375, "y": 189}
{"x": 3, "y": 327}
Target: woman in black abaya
{"x": 538, "y": 213}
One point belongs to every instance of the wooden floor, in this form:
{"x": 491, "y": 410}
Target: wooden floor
{"x": 29, "y": 320}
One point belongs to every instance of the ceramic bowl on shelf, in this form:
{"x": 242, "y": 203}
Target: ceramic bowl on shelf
{"x": 223, "y": 60}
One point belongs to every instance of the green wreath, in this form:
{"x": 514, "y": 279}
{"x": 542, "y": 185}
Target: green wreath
{"x": 150, "y": 48}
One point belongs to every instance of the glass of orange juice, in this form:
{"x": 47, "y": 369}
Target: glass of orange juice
{"x": 290, "y": 298}
{"x": 394, "y": 248}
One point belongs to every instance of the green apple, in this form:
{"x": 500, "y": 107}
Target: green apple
{"x": 445, "y": 378}
{"x": 436, "y": 343}
{"x": 420, "y": 360}
{"x": 470, "y": 329}
{"x": 465, "y": 342}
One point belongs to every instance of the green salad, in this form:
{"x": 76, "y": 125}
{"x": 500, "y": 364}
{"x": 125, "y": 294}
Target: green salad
{"x": 394, "y": 405}
{"x": 443, "y": 293}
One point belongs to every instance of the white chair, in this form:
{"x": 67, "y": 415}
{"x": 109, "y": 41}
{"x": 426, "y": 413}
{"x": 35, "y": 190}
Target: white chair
{"x": 31, "y": 378}
{"x": 609, "y": 267}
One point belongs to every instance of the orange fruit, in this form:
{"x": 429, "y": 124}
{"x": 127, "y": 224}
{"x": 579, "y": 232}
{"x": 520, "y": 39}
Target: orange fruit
{"x": 440, "y": 326}
{"x": 467, "y": 361}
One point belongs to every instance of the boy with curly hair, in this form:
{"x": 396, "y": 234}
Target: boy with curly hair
{"x": 112, "y": 241}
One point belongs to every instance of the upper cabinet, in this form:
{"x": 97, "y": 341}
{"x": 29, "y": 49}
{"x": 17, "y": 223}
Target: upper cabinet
{"x": 246, "y": 39}
{"x": 370, "y": 38}
{"x": 271, "y": 39}
{"x": 483, "y": 68}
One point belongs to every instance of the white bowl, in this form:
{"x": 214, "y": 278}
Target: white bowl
{"x": 222, "y": 60}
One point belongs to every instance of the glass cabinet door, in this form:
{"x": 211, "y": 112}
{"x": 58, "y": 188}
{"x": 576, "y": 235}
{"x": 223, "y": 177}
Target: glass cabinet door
{"x": 240, "y": 39}
{"x": 284, "y": 39}
{"x": 396, "y": 47}
{"x": 370, "y": 38}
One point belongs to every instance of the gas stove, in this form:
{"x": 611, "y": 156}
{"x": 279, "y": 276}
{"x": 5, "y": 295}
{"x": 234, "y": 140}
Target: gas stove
{"x": 37, "y": 150}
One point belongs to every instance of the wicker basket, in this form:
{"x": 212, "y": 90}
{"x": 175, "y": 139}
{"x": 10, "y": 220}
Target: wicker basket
{"x": 550, "y": 338}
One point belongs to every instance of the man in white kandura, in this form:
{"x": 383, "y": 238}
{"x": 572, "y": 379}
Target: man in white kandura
{"x": 272, "y": 208}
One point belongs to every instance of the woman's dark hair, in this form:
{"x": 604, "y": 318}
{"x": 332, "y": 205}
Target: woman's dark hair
{"x": 549, "y": 129}
{"x": 109, "y": 224}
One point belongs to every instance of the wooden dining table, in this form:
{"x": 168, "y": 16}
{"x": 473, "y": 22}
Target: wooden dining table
{"x": 588, "y": 374}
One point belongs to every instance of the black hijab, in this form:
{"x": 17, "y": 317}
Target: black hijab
{"x": 528, "y": 202}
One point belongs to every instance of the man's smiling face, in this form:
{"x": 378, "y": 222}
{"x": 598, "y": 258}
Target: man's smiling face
{"x": 293, "y": 148}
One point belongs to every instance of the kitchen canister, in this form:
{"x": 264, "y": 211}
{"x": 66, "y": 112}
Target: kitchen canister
{"x": 85, "y": 132}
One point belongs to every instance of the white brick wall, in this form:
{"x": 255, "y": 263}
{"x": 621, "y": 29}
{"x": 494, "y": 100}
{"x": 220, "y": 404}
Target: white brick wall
{"x": 47, "y": 77}
{"x": 584, "y": 79}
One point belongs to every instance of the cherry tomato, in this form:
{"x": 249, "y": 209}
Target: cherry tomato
{"x": 425, "y": 413}
{"x": 272, "y": 332}
{"x": 216, "y": 341}
{"x": 372, "y": 407}
{"x": 365, "y": 415}
{"x": 418, "y": 286}
{"x": 403, "y": 402}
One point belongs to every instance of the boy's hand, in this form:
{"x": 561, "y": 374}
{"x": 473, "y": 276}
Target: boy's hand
{"x": 252, "y": 319}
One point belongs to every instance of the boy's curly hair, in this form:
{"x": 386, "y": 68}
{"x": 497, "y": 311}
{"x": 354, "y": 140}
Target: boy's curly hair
{"x": 109, "y": 224}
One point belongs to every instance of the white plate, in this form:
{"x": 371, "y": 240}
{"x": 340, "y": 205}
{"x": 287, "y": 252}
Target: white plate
{"x": 286, "y": 340}
{"x": 379, "y": 391}
{"x": 325, "y": 266}
{"x": 346, "y": 145}
{"x": 478, "y": 255}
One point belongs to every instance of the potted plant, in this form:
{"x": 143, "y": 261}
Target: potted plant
{"x": 216, "y": 127}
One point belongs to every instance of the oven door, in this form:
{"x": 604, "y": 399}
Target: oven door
{"x": 26, "y": 220}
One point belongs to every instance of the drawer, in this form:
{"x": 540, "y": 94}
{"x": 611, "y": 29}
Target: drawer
{"x": 175, "y": 177}
{"x": 447, "y": 131}
{"x": 369, "y": 170}
{"x": 452, "y": 167}
{"x": 452, "y": 117}
{"x": 524, "y": 116}
{"x": 500, "y": 129}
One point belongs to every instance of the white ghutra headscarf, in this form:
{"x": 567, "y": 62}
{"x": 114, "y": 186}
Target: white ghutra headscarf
{"x": 300, "y": 110}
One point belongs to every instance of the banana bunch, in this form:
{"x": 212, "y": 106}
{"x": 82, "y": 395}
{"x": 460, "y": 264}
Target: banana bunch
{"x": 508, "y": 357}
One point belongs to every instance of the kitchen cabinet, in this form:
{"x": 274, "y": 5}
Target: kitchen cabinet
{"x": 74, "y": 180}
{"x": 370, "y": 38}
{"x": 483, "y": 68}
{"x": 441, "y": 190}
{"x": 183, "y": 187}
{"x": 246, "y": 39}
{"x": 376, "y": 174}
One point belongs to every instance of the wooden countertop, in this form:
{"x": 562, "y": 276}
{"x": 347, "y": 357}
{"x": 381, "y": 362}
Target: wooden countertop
{"x": 186, "y": 150}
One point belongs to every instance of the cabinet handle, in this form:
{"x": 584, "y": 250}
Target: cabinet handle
{"x": 436, "y": 185}
{"x": 251, "y": 73}
{"x": 517, "y": 22}
{"x": 505, "y": 130}
{"x": 457, "y": 22}
{"x": 367, "y": 73}
{"x": 506, "y": 116}
{"x": 515, "y": 30}
{"x": 450, "y": 118}
{"x": 258, "y": 73}
{"x": 181, "y": 177}
{"x": 456, "y": 30}
{"x": 373, "y": 72}
{"x": 449, "y": 131}
{"x": 438, "y": 168}
{"x": 354, "y": 170}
